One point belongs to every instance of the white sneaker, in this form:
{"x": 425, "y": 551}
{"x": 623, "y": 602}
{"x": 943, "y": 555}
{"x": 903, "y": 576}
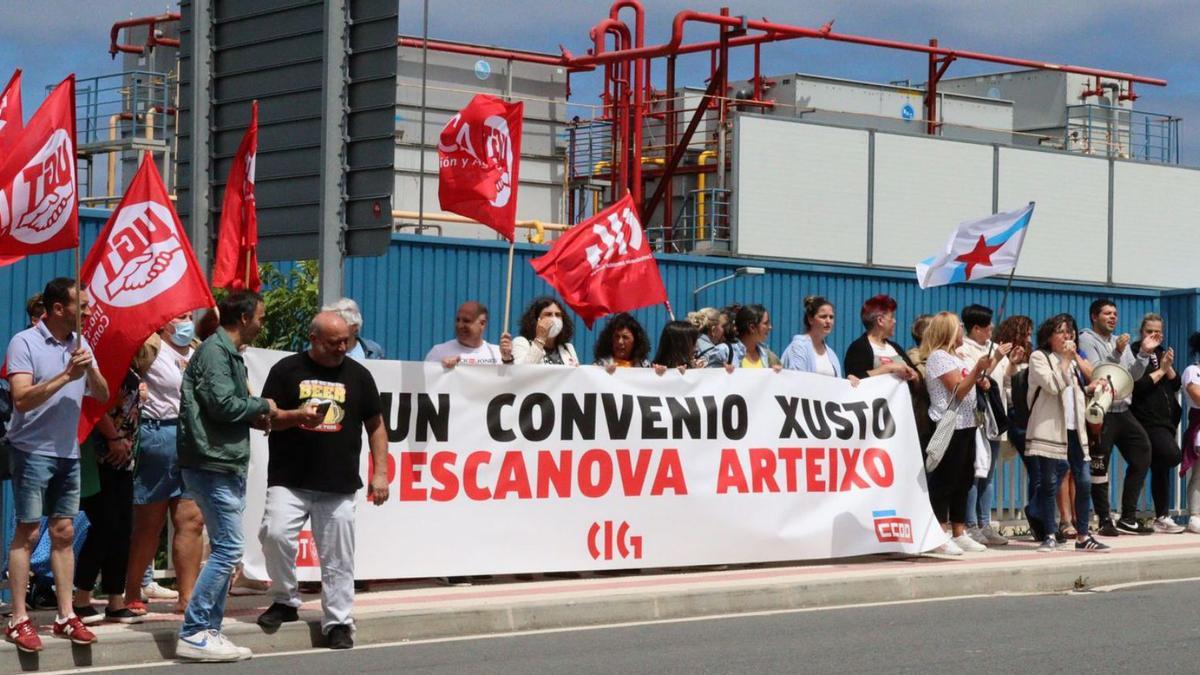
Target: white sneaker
{"x": 1193, "y": 525}
{"x": 1049, "y": 545}
{"x": 948, "y": 548}
{"x": 991, "y": 537}
{"x": 966, "y": 543}
{"x": 1166, "y": 525}
{"x": 152, "y": 591}
{"x": 244, "y": 651}
{"x": 208, "y": 646}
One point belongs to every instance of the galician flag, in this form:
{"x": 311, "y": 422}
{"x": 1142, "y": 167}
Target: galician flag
{"x": 977, "y": 249}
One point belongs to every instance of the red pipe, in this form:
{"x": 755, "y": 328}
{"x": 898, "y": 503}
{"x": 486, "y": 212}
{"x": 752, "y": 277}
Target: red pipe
{"x": 641, "y": 82}
{"x": 564, "y": 61}
{"x": 775, "y": 32}
{"x": 151, "y": 40}
{"x": 621, "y": 149}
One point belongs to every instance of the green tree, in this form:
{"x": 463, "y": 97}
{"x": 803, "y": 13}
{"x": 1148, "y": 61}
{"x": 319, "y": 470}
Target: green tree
{"x": 291, "y": 302}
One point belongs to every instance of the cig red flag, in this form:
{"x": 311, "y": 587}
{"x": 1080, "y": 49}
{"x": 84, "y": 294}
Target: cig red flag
{"x": 140, "y": 274}
{"x": 604, "y": 265}
{"x": 236, "y": 265}
{"x": 11, "y": 121}
{"x": 479, "y": 153}
{"x": 39, "y": 198}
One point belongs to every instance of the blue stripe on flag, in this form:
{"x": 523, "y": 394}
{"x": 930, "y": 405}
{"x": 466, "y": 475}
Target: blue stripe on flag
{"x": 1017, "y": 226}
{"x": 883, "y": 514}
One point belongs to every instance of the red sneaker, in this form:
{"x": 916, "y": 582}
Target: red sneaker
{"x": 25, "y": 636}
{"x": 74, "y": 629}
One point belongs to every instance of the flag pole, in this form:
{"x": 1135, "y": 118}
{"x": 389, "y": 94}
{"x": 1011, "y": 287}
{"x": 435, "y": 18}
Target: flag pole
{"x": 512, "y": 245}
{"x": 78, "y": 317}
{"x": 1003, "y": 305}
{"x": 246, "y": 280}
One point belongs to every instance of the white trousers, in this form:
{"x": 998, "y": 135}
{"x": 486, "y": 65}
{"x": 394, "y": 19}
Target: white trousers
{"x": 332, "y": 517}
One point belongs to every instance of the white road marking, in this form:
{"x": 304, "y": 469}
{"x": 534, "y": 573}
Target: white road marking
{"x": 550, "y": 631}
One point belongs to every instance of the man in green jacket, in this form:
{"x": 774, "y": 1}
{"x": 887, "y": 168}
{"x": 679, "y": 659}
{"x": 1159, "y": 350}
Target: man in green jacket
{"x": 216, "y": 413}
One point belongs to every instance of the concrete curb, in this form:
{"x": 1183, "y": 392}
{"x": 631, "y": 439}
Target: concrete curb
{"x": 705, "y": 597}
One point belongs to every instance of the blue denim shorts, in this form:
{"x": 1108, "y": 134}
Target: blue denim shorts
{"x": 156, "y": 475}
{"x": 43, "y": 486}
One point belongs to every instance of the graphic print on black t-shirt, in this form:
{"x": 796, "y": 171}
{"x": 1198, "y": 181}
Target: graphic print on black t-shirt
{"x": 320, "y": 392}
{"x": 325, "y": 458}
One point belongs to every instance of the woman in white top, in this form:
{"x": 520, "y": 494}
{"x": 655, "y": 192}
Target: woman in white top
{"x": 546, "y": 333}
{"x": 1056, "y": 429}
{"x": 809, "y": 352}
{"x": 157, "y": 486}
{"x": 1191, "y": 448}
{"x": 951, "y": 382}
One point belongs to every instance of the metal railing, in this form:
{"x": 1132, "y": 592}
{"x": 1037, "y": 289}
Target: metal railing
{"x": 702, "y": 225}
{"x": 1110, "y": 131}
{"x": 121, "y": 106}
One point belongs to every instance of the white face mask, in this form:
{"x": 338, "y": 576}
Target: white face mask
{"x": 556, "y": 326}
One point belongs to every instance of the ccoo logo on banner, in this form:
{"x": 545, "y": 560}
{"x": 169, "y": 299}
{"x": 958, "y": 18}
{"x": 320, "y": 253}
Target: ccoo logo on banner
{"x": 505, "y": 469}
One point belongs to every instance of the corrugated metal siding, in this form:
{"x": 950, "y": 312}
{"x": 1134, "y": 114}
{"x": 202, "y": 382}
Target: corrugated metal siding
{"x": 22, "y": 279}
{"x": 409, "y": 296}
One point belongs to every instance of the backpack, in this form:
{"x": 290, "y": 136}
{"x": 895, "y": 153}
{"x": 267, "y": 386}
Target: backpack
{"x": 1018, "y": 416}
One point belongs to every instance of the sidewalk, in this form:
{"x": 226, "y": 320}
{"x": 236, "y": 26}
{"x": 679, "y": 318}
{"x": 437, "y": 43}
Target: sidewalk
{"x": 422, "y": 609}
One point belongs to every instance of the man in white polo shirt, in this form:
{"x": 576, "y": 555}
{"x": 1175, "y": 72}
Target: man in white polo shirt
{"x": 50, "y": 370}
{"x": 468, "y": 346}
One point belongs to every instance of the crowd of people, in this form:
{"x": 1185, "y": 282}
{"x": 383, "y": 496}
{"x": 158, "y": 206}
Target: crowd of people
{"x": 177, "y": 442}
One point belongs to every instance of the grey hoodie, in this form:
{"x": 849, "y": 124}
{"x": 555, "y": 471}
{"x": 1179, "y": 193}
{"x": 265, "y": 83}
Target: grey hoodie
{"x": 1099, "y": 350}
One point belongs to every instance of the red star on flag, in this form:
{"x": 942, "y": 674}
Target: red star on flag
{"x": 980, "y": 255}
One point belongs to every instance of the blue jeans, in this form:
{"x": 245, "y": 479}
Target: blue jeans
{"x": 982, "y": 495}
{"x": 1049, "y": 475}
{"x": 221, "y": 498}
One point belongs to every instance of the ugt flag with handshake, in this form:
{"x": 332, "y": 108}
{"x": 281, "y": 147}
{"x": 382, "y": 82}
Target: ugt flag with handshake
{"x": 977, "y": 249}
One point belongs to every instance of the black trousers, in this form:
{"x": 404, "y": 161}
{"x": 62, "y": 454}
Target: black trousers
{"x": 1165, "y": 455}
{"x": 105, "y": 552}
{"x": 953, "y": 478}
{"x": 1126, "y": 432}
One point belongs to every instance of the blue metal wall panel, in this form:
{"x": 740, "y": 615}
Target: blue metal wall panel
{"x": 409, "y": 296}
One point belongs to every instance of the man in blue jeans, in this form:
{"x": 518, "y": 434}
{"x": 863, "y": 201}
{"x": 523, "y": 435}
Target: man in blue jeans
{"x": 216, "y": 413}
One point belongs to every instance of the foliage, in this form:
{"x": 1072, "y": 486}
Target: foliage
{"x": 291, "y": 302}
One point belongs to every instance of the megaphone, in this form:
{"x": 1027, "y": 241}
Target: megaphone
{"x": 1115, "y": 384}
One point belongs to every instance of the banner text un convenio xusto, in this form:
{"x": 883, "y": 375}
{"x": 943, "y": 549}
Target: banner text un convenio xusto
{"x": 504, "y": 469}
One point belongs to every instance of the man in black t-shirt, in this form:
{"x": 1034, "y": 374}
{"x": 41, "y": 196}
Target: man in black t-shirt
{"x": 313, "y": 472}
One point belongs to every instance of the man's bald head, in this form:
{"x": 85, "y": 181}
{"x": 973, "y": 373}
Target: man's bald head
{"x": 329, "y": 339}
{"x": 469, "y": 323}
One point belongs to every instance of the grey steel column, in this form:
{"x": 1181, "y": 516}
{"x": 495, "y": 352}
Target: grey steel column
{"x": 200, "y": 216}
{"x": 332, "y": 226}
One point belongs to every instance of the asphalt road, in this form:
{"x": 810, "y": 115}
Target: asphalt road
{"x": 1141, "y": 629}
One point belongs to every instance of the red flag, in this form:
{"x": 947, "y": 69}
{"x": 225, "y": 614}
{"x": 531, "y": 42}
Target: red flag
{"x": 39, "y": 198}
{"x": 604, "y": 265}
{"x": 236, "y": 266}
{"x": 141, "y": 273}
{"x": 11, "y": 123}
{"x": 10, "y": 114}
{"x": 480, "y": 157}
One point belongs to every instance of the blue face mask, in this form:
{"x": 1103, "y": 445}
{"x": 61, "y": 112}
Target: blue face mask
{"x": 184, "y": 332}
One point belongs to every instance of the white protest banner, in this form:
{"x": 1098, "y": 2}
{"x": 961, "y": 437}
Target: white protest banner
{"x": 504, "y": 469}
